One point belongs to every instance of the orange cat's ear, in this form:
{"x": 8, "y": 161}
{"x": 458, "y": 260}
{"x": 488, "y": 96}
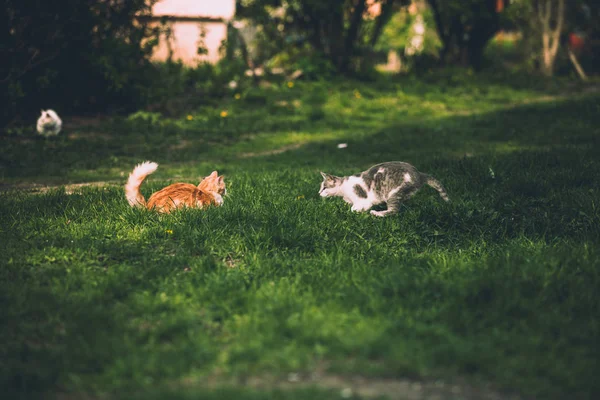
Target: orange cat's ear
{"x": 213, "y": 175}
{"x": 220, "y": 179}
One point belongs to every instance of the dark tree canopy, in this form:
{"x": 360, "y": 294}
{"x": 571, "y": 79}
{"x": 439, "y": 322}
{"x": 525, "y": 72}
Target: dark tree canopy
{"x": 335, "y": 28}
{"x": 71, "y": 53}
{"x": 465, "y": 27}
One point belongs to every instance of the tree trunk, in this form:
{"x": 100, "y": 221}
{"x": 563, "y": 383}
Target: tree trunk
{"x": 334, "y": 34}
{"x": 315, "y": 29}
{"x": 351, "y": 35}
{"x": 550, "y": 35}
{"x": 441, "y": 28}
{"x": 463, "y": 41}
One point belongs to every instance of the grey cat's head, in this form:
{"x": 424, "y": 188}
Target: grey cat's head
{"x": 330, "y": 185}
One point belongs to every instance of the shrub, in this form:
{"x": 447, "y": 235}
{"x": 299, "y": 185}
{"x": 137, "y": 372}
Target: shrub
{"x": 73, "y": 56}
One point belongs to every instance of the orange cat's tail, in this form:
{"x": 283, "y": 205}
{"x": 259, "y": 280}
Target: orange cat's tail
{"x": 137, "y": 176}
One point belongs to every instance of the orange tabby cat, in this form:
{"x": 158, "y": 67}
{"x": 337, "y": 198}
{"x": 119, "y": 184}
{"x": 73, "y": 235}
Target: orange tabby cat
{"x": 208, "y": 192}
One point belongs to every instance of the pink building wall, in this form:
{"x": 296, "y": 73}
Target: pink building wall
{"x": 186, "y": 31}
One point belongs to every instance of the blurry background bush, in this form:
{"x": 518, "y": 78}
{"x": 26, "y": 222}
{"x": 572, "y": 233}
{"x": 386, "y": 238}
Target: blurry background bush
{"x": 81, "y": 56}
{"x": 78, "y": 55}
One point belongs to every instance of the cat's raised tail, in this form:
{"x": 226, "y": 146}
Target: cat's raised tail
{"x": 136, "y": 177}
{"x": 437, "y": 185}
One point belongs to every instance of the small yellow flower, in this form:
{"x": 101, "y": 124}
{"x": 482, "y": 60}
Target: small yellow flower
{"x": 169, "y": 231}
{"x": 290, "y": 84}
{"x": 224, "y": 114}
{"x": 237, "y": 96}
{"x": 300, "y": 197}
{"x": 357, "y": 94}
{"x": 190, "y": 117}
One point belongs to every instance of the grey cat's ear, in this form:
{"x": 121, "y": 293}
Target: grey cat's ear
{"x": 326, "y": 176}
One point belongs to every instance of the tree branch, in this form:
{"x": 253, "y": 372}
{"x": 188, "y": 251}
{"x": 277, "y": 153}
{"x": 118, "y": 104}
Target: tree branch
{"x": 560, "y": 18}
{"x": 548, "y": 10}
{"x": 577, "y": 66}
{"x": 543, "y": 16}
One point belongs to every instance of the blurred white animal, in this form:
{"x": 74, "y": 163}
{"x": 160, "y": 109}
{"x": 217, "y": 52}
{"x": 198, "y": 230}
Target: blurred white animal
{"x": 49, "y": 124}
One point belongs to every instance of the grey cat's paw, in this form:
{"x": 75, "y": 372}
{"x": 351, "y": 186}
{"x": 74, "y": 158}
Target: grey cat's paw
{"x": 379, "y": 213}
{"x": 359, "y": 208}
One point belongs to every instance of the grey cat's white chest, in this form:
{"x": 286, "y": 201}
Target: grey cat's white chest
{"x": 356, "y": 190}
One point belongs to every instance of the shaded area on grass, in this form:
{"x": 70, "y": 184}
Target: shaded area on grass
{"x": 412, "y": 112}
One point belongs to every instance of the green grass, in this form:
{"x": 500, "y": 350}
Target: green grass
{"x": 500, "y": 286}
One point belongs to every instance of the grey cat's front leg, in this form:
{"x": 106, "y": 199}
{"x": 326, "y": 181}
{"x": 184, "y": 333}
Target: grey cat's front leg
{"x": 394, "y": 201}
{"x": 382, "y": 213}
{"x": 361, "y": 206}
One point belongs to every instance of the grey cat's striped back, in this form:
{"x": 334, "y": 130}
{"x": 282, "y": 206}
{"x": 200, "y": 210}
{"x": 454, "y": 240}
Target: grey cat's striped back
{"x": 388, "y": 183}
{"x": 388, "y": 176}
{"x": 385, "y": 177}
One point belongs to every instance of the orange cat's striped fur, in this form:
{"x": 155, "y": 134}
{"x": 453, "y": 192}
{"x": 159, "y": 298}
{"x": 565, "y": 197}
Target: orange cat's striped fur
{"x": 208, "y": 192}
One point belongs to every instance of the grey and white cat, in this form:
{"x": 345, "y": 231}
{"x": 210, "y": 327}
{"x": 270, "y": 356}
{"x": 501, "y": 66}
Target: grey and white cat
{"x": 388, "y": 183}
{"x": 49, "y": 124}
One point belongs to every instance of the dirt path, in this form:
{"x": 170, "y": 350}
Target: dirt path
{"x": 43, "y": 188}
{"x": 366, "y": 388}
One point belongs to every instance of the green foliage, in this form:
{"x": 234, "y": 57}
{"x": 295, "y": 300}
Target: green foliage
{"x": 334, "y": 30}
{"x": 499, "y": 286}
{"x": 314, "y": 66}
{"x": 177, "y": 87}
{"x": 581, "y": 17}
{"x": 523, "y": 16}
{"x": 399, "y": 32}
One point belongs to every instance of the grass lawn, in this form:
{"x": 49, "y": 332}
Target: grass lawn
{"x": 280, "y": 293}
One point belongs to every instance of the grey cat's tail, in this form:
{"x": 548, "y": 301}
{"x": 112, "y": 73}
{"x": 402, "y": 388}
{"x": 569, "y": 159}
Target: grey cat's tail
{"x": 434, "y": 183}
